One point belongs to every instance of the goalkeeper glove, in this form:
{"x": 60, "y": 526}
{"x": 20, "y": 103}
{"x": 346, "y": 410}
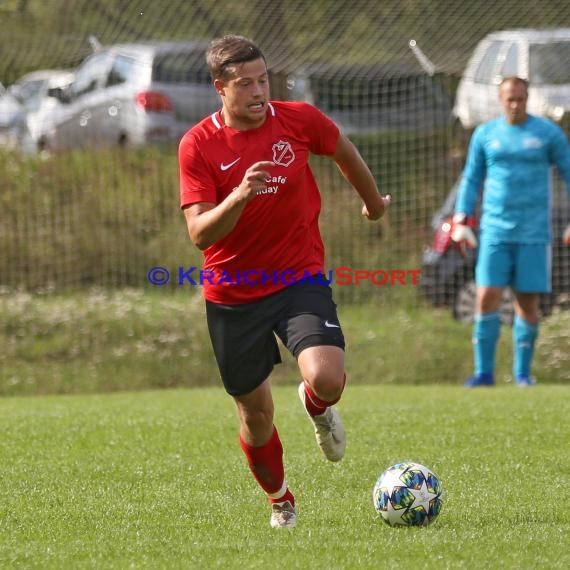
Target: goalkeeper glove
{"x": 566, "y": 236}
{"x": 462, "y": 233}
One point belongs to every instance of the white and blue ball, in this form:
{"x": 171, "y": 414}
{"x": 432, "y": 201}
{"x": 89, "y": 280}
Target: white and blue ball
{"x": 408, "y": 494}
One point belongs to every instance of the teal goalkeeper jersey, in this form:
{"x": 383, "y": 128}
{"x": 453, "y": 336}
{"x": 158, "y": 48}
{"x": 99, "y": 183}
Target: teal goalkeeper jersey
{"x": 513, "y": 165}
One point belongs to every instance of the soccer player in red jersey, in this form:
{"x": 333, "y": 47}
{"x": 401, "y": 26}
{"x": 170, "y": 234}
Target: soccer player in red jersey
{"x": 251, "y": 205}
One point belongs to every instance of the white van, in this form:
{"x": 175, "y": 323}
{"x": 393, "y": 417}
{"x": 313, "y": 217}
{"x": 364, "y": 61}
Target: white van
{"x": 542, "y": 56}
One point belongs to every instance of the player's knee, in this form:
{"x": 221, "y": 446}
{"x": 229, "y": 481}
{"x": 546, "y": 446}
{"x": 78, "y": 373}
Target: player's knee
{"x": 327, "y": 384}
{"x": 488, "y": 299}
{"x": 323, "y": 369}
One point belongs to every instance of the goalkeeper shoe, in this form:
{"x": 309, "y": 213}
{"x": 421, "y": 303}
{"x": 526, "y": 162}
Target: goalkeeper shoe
{"x": 524, "y": 381}
{"x": 480, "y": 379}
{"x": 329, "y": 431}
{"x": 283, "y": 515}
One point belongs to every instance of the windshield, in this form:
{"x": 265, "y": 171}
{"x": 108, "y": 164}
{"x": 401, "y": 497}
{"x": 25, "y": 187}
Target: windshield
{"x": 550, "y": 63}
{"x": 337, "y": 94}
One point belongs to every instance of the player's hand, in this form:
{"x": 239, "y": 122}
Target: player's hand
{"x": 254, "y": 180}
{"x": 385, "y": 205}
{"x": 463, "y": 235}
{"x": 566, "y": 235}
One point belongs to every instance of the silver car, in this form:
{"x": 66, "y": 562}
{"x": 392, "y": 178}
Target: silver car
{"x": 131, "y": 94}
{"x": 540, "y": 55}
{"x": 27, "y": 107}
{"x": 12, "y": 116}
{"x": 36, "y": 93}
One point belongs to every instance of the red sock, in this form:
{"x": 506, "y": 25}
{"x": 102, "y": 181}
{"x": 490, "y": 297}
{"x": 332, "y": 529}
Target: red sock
{"x": 314, "y": 405}
{"x": 266, "y": 464}
{"x": 288, "y": 496}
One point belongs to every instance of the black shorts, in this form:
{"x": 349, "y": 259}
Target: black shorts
{"x": 243, "y": 336}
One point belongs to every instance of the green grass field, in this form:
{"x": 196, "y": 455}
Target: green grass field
{"x": 157, "y": 480}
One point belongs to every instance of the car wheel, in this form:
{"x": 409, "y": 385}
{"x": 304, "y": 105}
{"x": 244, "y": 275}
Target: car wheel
{"x": 464, "y": 304}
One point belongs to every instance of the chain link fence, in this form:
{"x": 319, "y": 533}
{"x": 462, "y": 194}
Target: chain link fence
{"x": 387, "y": 72}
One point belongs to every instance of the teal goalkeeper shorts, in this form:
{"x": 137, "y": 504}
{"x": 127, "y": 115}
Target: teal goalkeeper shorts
{"x": 524, "y": 267}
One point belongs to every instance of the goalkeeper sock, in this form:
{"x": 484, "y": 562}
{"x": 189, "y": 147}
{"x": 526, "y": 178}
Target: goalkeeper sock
{"x": 486, "y": 332}
{"x": 524, "y": 338}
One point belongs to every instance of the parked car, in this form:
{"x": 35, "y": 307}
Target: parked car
{"x": 31, "y": 103}
{"x": 11, "y": 118}
{"x": 540, "y": 55}
{"x": 36, "y": 92}
{"x": 448, "y": 277}
{"x": 130, "y": 94}
{"x": 30, "y": 88}
{"x": 367, "y": 99}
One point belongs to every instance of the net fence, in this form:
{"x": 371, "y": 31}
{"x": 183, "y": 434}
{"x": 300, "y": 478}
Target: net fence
{"x": 89, "y": 193}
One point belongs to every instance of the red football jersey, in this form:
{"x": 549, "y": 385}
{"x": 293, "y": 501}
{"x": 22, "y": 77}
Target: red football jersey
{"x": 277, "y": 239}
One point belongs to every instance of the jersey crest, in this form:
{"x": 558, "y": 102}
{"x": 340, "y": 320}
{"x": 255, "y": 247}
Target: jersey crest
{"x": 283, "y": 154}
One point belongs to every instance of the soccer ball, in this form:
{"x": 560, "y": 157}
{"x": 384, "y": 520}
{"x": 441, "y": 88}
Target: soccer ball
{"x": 408, "y": 494}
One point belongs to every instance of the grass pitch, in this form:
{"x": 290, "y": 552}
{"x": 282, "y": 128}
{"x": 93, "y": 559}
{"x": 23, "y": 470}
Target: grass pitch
{"x": 157, "y": 480}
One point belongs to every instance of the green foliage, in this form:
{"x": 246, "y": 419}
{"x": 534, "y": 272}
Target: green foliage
{"x": 131, "y": 339}
{"x": 107, "y": 217}
{"x": 157, "y": 480}
{"x": 90, "y": 218}
{"x": 54, "y": 33}
{"x": 104, "y": 341}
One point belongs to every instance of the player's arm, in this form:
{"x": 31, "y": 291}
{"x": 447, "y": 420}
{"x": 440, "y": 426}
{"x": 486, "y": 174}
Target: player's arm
{"x": 561, "y": 157}
{"x": 207, "y": 223}
{"x": 469, "y": 187}
{"x": 473, "y": 175}
{"x": 356, "y": 171}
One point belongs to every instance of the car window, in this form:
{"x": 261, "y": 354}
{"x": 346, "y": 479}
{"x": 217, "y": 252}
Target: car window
{"x": 361, "y": 94}
{"x": 123, "y": 69}
{"x": 30, "y": 89}
{"x": 486, "y": 70}
{"x": 181, "y": 67}
{"x": 549, "y": 64}
{"x": 510, "y": 66}
{"x": 90, "y": 74}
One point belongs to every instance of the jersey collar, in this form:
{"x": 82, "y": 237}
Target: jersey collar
{"x": 216, "y": 117}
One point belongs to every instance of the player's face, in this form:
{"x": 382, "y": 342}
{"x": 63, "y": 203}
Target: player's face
{"x": 513, "y": 97}
{"x": 245, "y": 95}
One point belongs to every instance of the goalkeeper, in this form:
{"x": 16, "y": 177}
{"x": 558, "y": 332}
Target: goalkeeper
{"x": 511, "y": 158}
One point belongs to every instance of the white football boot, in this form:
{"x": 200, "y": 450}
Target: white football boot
{"x": 329, "y": 431}
{"x": 283, "y": 515}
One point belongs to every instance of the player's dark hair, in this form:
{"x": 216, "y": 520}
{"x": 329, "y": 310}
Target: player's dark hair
{"x": 514, "y": 79}
{"x": 227, "y": 52}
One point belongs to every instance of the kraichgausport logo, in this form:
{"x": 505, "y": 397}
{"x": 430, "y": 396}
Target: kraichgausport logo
{"x": 341, "y": 276}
